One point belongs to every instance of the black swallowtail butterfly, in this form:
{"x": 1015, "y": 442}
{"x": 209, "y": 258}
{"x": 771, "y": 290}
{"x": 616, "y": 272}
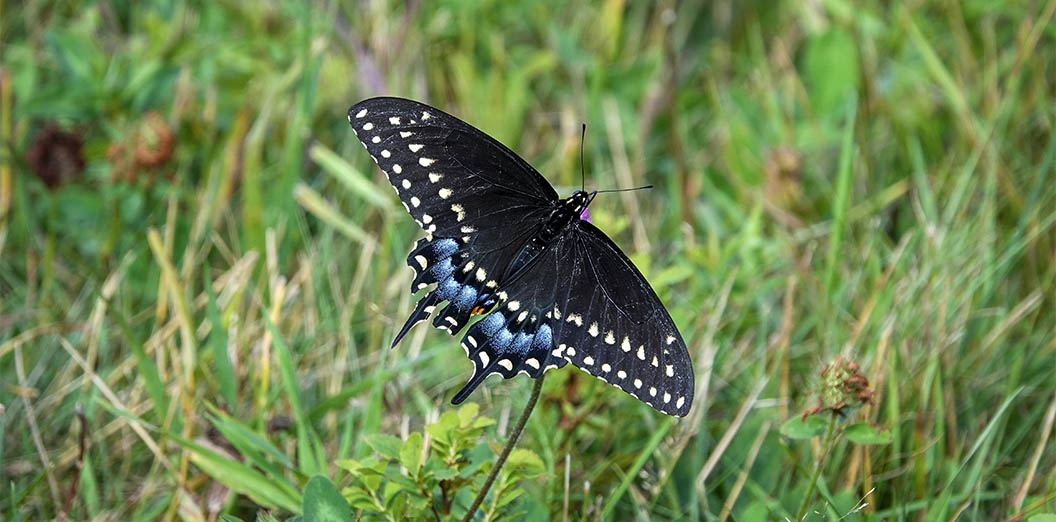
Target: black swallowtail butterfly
{"x": 501, "y": 242}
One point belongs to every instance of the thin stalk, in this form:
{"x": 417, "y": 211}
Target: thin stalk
{"x": 516, "y": 434}
{"x": 817, "y": 469}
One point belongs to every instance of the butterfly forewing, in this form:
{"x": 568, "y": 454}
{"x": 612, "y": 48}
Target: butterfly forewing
{"x": 477, "y": 200}
{"x": 449, "y": 175}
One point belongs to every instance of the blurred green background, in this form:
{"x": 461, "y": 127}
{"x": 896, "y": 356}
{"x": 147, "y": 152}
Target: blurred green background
{"x": 187, "y": 228}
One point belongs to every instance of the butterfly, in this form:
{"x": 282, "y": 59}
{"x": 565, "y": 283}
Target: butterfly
{"x": 552, "y": 287}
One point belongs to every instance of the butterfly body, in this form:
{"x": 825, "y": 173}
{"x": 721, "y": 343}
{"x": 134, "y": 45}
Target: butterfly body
{"x": 552, "y": 288}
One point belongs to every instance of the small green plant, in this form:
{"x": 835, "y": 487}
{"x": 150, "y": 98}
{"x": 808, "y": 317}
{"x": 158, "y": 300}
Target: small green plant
{"x": 843, "y": 389}
{"x": 430, "y": 476}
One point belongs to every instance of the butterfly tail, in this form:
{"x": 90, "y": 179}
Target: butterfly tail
{"x": 474, "y": 381}
{"x": 421, "y": 313}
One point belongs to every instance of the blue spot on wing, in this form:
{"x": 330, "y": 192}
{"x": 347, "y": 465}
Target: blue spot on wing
{"x": 444, "y": 247}
{"x": 544, "y": 338}
{"x": 466, "y": 297}
{"x": 491, "y": 324}
{"x": 448, "y": 289}
{"x": 521, "y": 343}
{"x": 502, "y": 340}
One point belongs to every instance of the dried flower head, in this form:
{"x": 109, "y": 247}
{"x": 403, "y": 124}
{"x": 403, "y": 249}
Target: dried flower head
{"x": 843, "y": 389}
{"x": 150, "y": 146}
{"x": 55, "y": 156}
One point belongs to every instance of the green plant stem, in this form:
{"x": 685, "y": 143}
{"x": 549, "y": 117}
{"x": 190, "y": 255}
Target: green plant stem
{"x": 516, "y": 434}
{"x": 817, "y": 470}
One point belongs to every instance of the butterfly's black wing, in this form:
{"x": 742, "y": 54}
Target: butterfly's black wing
{"x": 477, "y": 200}
{"x": 584, "y": 302}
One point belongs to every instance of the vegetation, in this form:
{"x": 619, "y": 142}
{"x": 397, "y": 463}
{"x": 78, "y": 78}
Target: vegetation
{"x": 201, "y": 271}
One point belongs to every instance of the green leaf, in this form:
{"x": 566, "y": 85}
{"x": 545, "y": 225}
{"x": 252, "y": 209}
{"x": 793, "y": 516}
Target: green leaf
{"x": 323, "y": 503}
{"x": 445, "y": 473}
{"x": 830, "y": 69}
{"x": 1044, "y": 517}
{"x": 225, "y": 373}
{"x": 352, "y": 178}
{"x": 441, "y": 429}
{"x": 524, "y": 459}
{"x": 798, "y": 428}
{"x": 467, "y": 413}
{"x": 385, "y": 445}
{"x": 411, "y": 453}
{"x": 865, "y": 433}
{"x": 242, "y": 478}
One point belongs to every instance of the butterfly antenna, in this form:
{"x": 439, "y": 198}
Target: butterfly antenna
{"x": 643, "y": 187}
{"x": 582, "y": 167}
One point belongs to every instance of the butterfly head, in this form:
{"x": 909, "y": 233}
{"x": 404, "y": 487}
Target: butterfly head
{"x": 579, "y": 201}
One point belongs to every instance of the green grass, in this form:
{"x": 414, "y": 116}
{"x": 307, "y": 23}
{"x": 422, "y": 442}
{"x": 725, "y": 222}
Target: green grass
{"x": 865, "y": 179}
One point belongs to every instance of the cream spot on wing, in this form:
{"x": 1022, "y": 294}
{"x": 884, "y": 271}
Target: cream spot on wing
{"x": 426, "y": 116}
{"x": 451, "y": 320}
{"x": 621, "y": 374}
{"x": 405, "y": 134}
{"x": 435, "y": 176}
{"x": 521, "y": 317}
{"x": 588, "y": 360}
{"x": 484, "y": 358}
{"x": 471, "y": 340}
{"x": 406, "y": 183}
{"x": 492, "y": 284}
{"x": 426, "y": 218}
{"x": 571, "y": 352}
{"x": 514, "y": 306}
{"x": 445, "y": 193}
{"x": 655, "y": 363}
{"x": 637, "y": 383}
{"x": 681, "y": 400}
{"x": 376, "y": 139}
{"x": 458, "y": 209}
{"x": 593, "y": 330}
{"x": 361, "y": 113}
{"x": 502, "y": 295}
{"x": 415, "y": 201}
{"x": 557, "y": 313}
{"x": 397, "y": 168}
{"x": 505, "y": 363}
{"x": 481, "y": 274}
{"x": 652, "y": 391}
{"x": 610, "y": 338}
{"x": 395, "y": 120}
{"x": 670, "y": 339}
{"x": 626, "y": 344}
{"x": 425, "y": 162}
{"x": 368, "y": 125}
{"x": 415, "y": 147}
{"x": 468, "y": 230}
{"x": 606, "y": 368}
{"x": 667, "y": 397}
{"x": 534, "y": 363}
{"x": 422, "y": 260}
{"x": 641, "y": 352}
{"x": 670, "y": 370}
{"x": 385, "y": 153}
{"x": 468, "y": 267}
